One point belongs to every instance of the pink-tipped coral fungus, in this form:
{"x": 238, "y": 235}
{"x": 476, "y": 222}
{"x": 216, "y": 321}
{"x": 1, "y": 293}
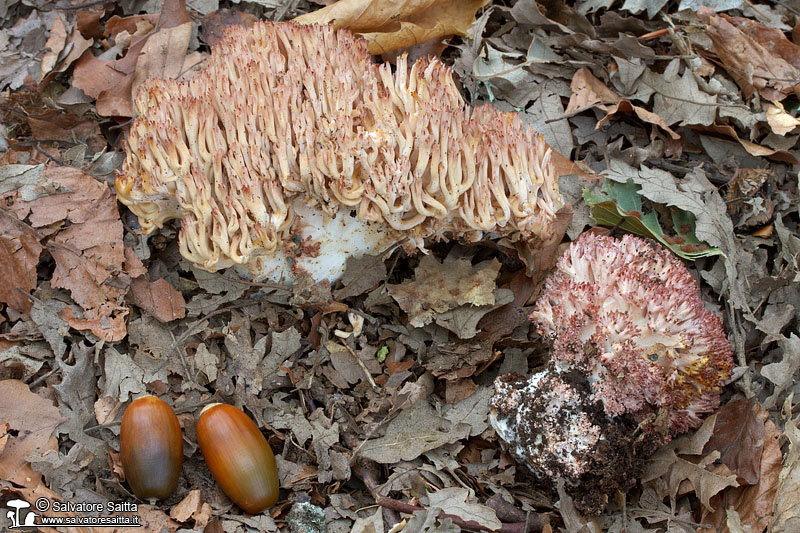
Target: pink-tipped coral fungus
{"x": 636, "y": 359}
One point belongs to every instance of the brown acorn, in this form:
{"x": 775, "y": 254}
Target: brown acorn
{"x": 151, "y": 448}
{"x": 238, "y": 456}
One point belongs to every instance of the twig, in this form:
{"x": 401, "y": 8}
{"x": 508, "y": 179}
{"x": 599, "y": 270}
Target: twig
{"x": 362, "y": 365}
{"x": 50, "y": 157}
{"x": 507, "y": 512}
{"x": 615, "y": 227}
{"x": 249, "y": 283}
{"x": 43, "y": 377}
{"x": 367, "y": 472}
{"x": 653, "y": 34}
{"x": 122, "y": 125}
{"x": 395, "y": 505}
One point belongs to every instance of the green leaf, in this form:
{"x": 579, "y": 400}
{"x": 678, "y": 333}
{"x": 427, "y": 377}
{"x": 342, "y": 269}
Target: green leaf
{"x": 382, "y": 353}
{"x": 620, "y": 205}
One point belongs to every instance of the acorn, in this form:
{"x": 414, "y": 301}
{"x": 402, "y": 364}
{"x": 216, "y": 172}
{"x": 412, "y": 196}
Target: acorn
{"x": 151, "y": 448}
{"x": 238, "y": 456}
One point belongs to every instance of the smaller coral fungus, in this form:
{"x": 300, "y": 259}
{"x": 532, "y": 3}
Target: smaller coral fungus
{"x": 626, "y": 316}
{"x": 629, "y": 315}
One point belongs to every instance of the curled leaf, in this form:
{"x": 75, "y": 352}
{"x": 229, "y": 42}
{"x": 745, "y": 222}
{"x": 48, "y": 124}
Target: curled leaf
{"x": 620, "y": 205}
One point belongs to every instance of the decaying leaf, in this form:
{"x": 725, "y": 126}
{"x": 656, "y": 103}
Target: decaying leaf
{"x": 123, "y": 377}
{"x": 87, "y": 248}
{"x": 455, "y": 501}
{"x": 416, "y": 430}
{"x": 752, "y": 503}
{"x": 439, "y": 288}
{"x": 34, "y": 419}
{"x": 748, "y": 61}
{"x": 388, "y": 25}
{"x": 19, "y": 255}
{"x": 370, "y": 524}
{"x": 620, "y": 204}
{"x": 786, "y": 511}
{"x": 673, "y": 470}
{"x": 158, "y": 299}
{"x": 782, "y": 373}
{"x": 739, "y": 436}
{"x": 20, "y": 48}
{"x": 76, "y": 396}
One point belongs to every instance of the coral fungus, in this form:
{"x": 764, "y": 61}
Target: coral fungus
{"x": 291, "y": 140}
{"x": 628, "y": 326}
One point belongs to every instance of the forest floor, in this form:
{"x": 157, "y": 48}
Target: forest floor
{"x": 682, "y": 123}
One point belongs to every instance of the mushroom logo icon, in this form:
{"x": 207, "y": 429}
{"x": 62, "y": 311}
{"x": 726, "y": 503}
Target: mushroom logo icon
{"x": 13, "y": 516}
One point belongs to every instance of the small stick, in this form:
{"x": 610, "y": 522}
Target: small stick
{"x": 653, "y": 34}
{"x": 362, "y": 365}
{"x": 367, "y": 472}
{"x": 383, "y": 501}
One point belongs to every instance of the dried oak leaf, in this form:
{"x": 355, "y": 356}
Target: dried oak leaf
{"x": 192, "y": 507}
{"x": 441, "y": 287}
{"x": 786, "y": 512}
{"x": 416, "y": 430}
{"x": 781, "y": 373}
{"x": 34, "y": 419}
{"x": 455, "y": 501}
{"x": 55, "y": 44}
{"x": 739, "y": 438}
{"x": 670, "y": 467}
{"x": 361, "y": 275}
{"x": 388, "y": 25}
{"x": 112, "y": 82}
{"x": 779, "y": 120}
{"x": 216, "y": 22}
{"x": 706, "y": 483}
{"x": 642, "y": 113}
{"x": 87, "y": 249}
{"x": 151, "y": 519}
{"x": 773, "y": 39}
{"x": 588, "y": 91}
{"x": 76, "y": 402}
{"x": 754, "y": 66}
{"x": 458, "y": 360}
{"x": 753, "y": 503}
{"x": 62, "y": 49}
{"x": 157, "y": 298}
{"x": 19, "y": 255}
